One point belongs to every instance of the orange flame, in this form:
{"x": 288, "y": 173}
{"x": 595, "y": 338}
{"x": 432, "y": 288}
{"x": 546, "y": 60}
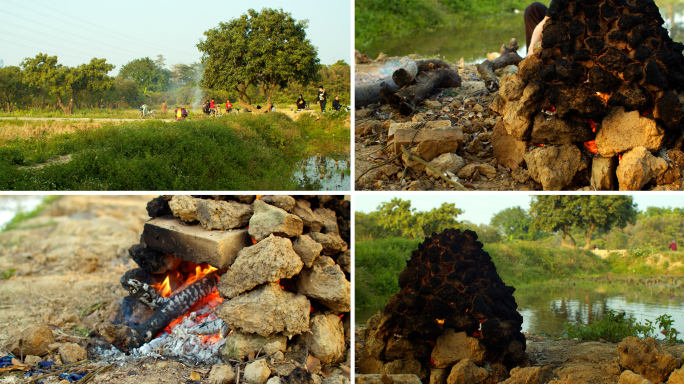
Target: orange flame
{"x": 550, "y": 108}
{"x": 591, "y": 146}
{"x": 592, "y": 124}
{"x": 253, "y": 241}
{"x": 164, "y": 288}
{"x": 604, "y": 96}
{"x": 440, "y": 321}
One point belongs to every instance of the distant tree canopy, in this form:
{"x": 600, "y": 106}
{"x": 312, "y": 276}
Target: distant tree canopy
{"x": 66, "y": 83}
{"x": 515, "y": 224}
{"x": 589, "y": 213}
{"x": 148, "y": 74}
{"x": 268, "y": 48}
{"x": 13, "y": 90}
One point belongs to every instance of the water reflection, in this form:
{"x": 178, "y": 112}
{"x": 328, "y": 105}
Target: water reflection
{"x": 10, "y": 206}
{"x": 473, "y": 39}
{"x": 324, "y": 173}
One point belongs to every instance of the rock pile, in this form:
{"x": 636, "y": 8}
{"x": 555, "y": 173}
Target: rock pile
{"x": 597, "y": 103}
{"x": 283, "y": 262}
{"x": 452, "y": 315}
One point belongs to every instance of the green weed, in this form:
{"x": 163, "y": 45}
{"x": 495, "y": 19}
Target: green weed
{"x": 615, "y": 326}
{"x": 6, "y": 274}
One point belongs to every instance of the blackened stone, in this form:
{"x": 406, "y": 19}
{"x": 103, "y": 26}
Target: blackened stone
{"x": 593, "y": 26}
{"x": 642, "y": 53}
{"x": 608, "y": 12}
{"x": 627, "y": 22}
{"x": 557, "y": 7}
{"x": 150, "y": 260}
{"x": 576, "y": 102}
{"x": 569, "y": 71}
{"x": 669, "y": 110}
{"x": 633, "y": 73}
{"x": 159, "y": 206}
{"x": 582, "y": 55}
{"x": 576, "y": 28}
{"x": 590, "y": 11}
{"x": 554, "y": 34}
{"x": 639, "y": 35}
{"x": 675, "y": 46}
{"x": 603, "y": 81}
{"x": 613, "y": 59}
{"x": 652, "y": 75}
{"x": 653, "y": 43}
{"x": 675, "y": 80}
{"x": 632, "y": 97}
{"x": 482, "y": 306}
{"x": 550, "y": 55}
{"x": 595, "y": 45}
{"x": 617, "y": 36}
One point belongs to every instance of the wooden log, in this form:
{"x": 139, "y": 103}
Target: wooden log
{"x": 407, "y": 73}
{"x": 509, "y": 56}
{"x": 406, "y": 99}
{"x": 367, "y": 94}
{"x": 167, "y": 309}
{"x": 430, "y": 64}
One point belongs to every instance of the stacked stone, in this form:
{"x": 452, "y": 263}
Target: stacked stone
{"x": 452, "y": 307}
{"x": 286, "y": 259}
{"x": 617, "y": 48}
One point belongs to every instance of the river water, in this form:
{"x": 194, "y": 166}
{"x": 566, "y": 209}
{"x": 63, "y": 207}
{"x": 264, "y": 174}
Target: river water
{"x": 546, "y": 311}
{"x": 472, "y": 39}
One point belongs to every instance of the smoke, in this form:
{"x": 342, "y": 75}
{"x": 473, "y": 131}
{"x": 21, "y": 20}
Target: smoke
{"x": 197, "y": 91}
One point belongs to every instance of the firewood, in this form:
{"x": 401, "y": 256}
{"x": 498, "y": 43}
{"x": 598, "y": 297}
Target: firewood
{"x": 509, "y": 56}
{"x": 407, "y": 73}
{"x": 167, "y": 310}
{"x": 406, "y": 99}
{"x": 372, "y": 93}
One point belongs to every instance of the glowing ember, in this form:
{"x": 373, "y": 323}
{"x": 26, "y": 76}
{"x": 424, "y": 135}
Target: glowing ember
{"x": 550, "y": 109}
{"x": 591, "y": 146}
{"x": 647, "y": 112}
{"x": 592, "y": 124}
{"x": 604, "y": 96}
{"x": 440, "y": 321}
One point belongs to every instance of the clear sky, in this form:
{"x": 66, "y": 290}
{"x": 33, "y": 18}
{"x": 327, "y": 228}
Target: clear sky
{"x": 121, "y": 31}
{"x": 480, "y": 208}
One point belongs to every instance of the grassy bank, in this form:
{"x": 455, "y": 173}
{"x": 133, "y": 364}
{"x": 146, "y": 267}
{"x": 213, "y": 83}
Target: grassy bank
{"x": 377, "y": 19}
{"x": 522, "y": 265}
{"x": 237, "y": 152}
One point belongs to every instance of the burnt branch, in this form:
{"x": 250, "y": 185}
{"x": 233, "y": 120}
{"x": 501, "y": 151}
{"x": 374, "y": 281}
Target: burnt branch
{"x": 427, "y": 82}
{"x": 509, "y": 56}
{"x": 169, "y": 309}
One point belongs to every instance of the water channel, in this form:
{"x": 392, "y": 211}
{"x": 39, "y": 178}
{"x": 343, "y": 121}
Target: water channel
{"x": 472, "y": 39}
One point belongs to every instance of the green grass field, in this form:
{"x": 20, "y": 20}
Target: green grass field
{"x": 235, "y": 152}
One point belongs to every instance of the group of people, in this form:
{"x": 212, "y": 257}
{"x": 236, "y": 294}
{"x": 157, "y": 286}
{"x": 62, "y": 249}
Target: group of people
{"x": 211, "y": 107}
{"x": 321, "y": 99}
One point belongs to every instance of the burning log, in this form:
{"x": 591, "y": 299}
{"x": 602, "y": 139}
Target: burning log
{"x": 406, "y": 99}
{"x": 509, "y": 56}
{"x": 167, "y": 310}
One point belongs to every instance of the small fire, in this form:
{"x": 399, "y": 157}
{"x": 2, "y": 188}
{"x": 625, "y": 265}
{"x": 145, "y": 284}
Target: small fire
{"x": 440, "y": 321}
{"x": 550, "y": 109}
{"x": 591, "y": 146}
{"x": 253, "y": 241}
{"x": 604, "y": 96}
{"x": 592, "y": 124}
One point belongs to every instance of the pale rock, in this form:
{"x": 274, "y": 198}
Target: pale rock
{"x": 244, "y": 199}
{"x": 221, "y": 374}
{"x": 432, "y": 104}
{"x": 332, "y": 243}
{"x": 530, "y": 375}
{"x": 466, "y": 372}
{"x": 517, "y": 126}
{"x": 603, "y": 176}
{"x": 267, "y": 310}
{"x": 452, "y": 347}
{"x": 269, "y": 260}
{"x": 326, "y": 283}
{"x": 32, "y": 360}
{"x": 411, "y": 366}
{"x": 637, "y": 168}
{"x": 344, "y": 261}
{"x": 629, "y": 377}
{"x": 239, "y": 345}
{"x": 622, "y": 131}
{"x": 33, "y": 340}
{"x": 487, "y": 170}
{"x": 281, "y": 201}
{"x": 268, "y": 220}
{"x": 508, "y": 151}
{"x": 475, "y": 146}
{"x": 513, "y": 88}
{"x": 307, "y": 249}
{"x": 72, "y": 353}
{"x": 257, "y": 372}
{"x": 328, "y": 218}
{"x": 646, "y": 358}
{"x": 553, "y": 167}
{"x": 676, "y": 377}
{"x": 327, "y": 338}
{"x": 446, "y": 162}
{"x": 439, "y": 375}
{"x": 430, "y": 143}
{"x": 222, "y": 215}
{"x": 467, "y": 172}
{"x": 303, "y": 210}
{"x": 184, "y": 207}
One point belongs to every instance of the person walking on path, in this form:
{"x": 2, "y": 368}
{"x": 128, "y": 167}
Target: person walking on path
{"x": 322, "y": 97}
{"x": 673, "y": 246}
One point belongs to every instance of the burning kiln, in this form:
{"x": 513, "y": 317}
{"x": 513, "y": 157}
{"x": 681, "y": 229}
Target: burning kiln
{"x": 452, "y": 307}
{"x": 238, "y": 275}
{"x": 598, "y": 102}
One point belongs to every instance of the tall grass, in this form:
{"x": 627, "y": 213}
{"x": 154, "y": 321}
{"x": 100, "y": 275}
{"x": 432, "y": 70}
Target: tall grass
{"x": 236, "y": 152}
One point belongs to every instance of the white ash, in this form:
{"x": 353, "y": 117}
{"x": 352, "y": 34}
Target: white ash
{"x": 184, "y": 342}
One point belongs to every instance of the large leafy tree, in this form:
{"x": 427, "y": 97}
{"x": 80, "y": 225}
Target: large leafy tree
{"x": 12, "y": 89}
{"x": 588, "y": 213}
{"x": 148, "y": 74}
{"x": 66, "y": 83}
{"x": 400, "y": 220}
{"x": 514, "y": 223}
{"x": 268, "y": 48}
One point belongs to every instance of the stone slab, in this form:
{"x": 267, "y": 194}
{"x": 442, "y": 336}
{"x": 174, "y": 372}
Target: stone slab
{"x": 447, "y": 140}
{"x": 194, "y": 243}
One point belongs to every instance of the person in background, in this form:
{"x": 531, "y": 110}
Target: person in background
{"x": 673, "y": 246}
{"x": 212, "y": 105}
{"x": 164, "y": 108}
{"x": 301, "y": 103}
{"x": 535, "y": 18}
{"x": 205, "y": 108}
{"x": 322, "y": 97}
{"x": 179, "y": 114}
{"x": 336, "y": 103}
{"x": 229, "y": 106}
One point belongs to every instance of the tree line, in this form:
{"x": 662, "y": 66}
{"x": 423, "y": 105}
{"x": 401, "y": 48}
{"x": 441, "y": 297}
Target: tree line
{"x": 606, "y": 222}
{"x": 259, "y": 58}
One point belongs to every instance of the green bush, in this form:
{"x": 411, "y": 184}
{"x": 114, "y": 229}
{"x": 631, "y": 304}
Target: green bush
{"x": 615, "y": 326}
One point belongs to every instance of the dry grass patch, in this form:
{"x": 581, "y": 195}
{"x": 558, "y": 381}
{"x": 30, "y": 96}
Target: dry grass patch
{"x": 32, "y": 130}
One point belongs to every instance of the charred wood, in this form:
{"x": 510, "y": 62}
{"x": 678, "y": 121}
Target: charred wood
{"x": 509, "y": 56}
{"x": 168, "y": 309}
{"x": 151, "y": 260}
{"x": 406, "y": 99}
{"x": 372, "y": 93}
{"x": 407, "y": 73}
